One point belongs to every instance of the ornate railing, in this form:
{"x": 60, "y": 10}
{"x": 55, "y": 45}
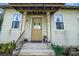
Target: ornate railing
{"x": 19, "y": 44}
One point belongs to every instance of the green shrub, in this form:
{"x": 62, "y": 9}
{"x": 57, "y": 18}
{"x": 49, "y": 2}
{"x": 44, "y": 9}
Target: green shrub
{"x": 59, "y": 51}
{"x": 7, "y": 48}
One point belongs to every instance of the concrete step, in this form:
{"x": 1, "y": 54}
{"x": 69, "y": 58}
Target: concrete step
{"x": 39, "y": 52}
{"x": 35, "y": 54}
{"x": 35, "y": 46}
{"x": 36, "y": 49}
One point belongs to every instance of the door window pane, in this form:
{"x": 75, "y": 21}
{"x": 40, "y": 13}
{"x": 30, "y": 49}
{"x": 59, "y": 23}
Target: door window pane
{"x": 36, "y": 23}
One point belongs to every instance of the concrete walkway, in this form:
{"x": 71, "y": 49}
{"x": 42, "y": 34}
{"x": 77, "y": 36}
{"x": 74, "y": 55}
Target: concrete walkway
{"x": 36, "y": 49}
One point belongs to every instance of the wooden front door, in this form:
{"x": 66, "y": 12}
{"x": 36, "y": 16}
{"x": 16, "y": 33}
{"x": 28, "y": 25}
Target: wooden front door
{"x": 36, "y": 29}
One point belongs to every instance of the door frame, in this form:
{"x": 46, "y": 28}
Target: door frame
{"x": 31, "y": 26}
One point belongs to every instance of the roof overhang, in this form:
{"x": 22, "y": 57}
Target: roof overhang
{"x": 39, "y": 7}
{"x": 36, "y": 6}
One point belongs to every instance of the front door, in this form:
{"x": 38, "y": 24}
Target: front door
{"x": 36, "y": 29}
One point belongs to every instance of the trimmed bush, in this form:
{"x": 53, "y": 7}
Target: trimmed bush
{"x": 59, "y": 51}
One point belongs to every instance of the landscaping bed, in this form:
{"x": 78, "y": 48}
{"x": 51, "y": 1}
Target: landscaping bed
{"x": 6, "y": 49}
{"x": 65, "y": 51}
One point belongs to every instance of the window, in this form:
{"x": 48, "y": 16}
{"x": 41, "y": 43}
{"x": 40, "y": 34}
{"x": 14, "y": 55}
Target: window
{"x": 59, "y": 21}
{"x": 16, "y": 20}
{"x": 15, "y": 24}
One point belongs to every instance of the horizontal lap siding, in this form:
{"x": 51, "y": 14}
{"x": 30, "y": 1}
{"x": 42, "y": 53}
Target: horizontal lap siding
{"x": 8, "y": 34}
{"x": 71, "y": 28}
{"x": 28, "y": 28}
{"x": 44, "y": 33}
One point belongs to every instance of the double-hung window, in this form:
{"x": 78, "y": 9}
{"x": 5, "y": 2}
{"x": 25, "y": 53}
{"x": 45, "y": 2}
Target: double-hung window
{"x": 16, "y": 21}
{"x": 59, "y": 21}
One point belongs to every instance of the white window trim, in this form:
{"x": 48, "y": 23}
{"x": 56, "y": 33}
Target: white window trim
{"x": 55, "y": 22}
{"x": 17, "y": 20}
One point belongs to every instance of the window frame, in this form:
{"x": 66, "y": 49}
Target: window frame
{"x": 55, "y": 17}
{"x": 14, "y": 20}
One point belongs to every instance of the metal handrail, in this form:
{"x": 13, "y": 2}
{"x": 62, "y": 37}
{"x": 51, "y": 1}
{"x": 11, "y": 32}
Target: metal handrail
{"x": 20, "y": 36}
{"x": 19, "y": 43}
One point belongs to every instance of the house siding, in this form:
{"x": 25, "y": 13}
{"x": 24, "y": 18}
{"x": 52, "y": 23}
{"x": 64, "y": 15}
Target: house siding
{"x": 68, "y": 36}
{"x": 8, "y": 34}
{"x": 28, "y": 28}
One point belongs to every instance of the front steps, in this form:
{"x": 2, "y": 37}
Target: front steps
{"x": 36, "y": 49}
